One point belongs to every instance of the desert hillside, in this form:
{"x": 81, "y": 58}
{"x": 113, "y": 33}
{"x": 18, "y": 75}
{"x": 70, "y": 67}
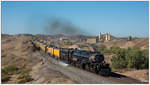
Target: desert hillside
{"x": 19, "y": 53}
{"x": 141, "y": 43}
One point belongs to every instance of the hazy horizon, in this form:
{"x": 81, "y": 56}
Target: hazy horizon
{"x": 77, "y": 35}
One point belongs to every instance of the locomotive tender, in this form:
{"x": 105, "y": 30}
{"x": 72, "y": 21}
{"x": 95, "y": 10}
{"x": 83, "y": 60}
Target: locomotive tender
{"x": 91, "y": 61}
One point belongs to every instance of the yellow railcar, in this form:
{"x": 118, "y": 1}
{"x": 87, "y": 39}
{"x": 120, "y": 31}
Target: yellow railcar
{"x": 43, "y": 47}
{"x": 57, "y": 53}
{"x": 50, "y": 50}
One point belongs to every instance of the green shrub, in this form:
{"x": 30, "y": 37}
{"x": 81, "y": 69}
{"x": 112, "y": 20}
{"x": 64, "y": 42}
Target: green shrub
{"x": 114, "y": 49}
{"x": 118, "y": 61}
{"x": 102, "y": 48}
{"x": 145, "y": 53}
{"x": 11, "y": 69}
{"x": 7, "y": 71}
{"x": 5, "y": 77}
{"x": 68, "y": 43}
{"x": 136, "y": 59}
{"x": 129, "y": 58}
{"x": 24, "y": 76}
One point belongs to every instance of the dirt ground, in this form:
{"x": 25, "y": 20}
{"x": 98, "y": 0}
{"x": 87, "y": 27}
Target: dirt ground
{"x": 141, "y": 75}
{"x": 18, "y": 50}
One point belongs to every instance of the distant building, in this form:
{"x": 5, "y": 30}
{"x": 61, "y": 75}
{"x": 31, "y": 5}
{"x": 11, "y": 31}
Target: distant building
{"x": 129, "y": 38}
{"x": 92, "y": 40}
{"x": 100, "y": 36}
{"x": 63, "y": 39}
{"x": 107, "y": 36}
{"x": 104, "y": 37}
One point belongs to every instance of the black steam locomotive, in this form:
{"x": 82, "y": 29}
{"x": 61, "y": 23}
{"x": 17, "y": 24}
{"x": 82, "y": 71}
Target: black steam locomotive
{"x": 91, "y": 61}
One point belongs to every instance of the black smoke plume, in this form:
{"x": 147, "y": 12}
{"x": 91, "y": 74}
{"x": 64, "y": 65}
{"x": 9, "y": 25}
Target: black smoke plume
{"x": 63, "y": 26}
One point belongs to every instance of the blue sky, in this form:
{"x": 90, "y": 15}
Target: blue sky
{"x": 118, "y": 18}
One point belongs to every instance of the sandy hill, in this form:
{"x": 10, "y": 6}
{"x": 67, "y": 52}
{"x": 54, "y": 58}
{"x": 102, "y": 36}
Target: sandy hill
{"x": 141, "y": 43}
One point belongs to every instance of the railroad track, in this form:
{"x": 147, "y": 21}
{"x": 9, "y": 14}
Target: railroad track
{"x": 120, "y": 79}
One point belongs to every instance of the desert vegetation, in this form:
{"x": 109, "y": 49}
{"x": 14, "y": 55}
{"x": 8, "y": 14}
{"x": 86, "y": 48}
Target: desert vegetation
{"x": 9, "y": 71}
{"x": 126, "y": 58}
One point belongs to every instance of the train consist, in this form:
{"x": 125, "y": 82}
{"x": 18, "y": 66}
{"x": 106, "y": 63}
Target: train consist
{"x": 91, "y": 61}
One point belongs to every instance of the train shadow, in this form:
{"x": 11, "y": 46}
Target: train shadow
{"x": 112, "y": 74}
